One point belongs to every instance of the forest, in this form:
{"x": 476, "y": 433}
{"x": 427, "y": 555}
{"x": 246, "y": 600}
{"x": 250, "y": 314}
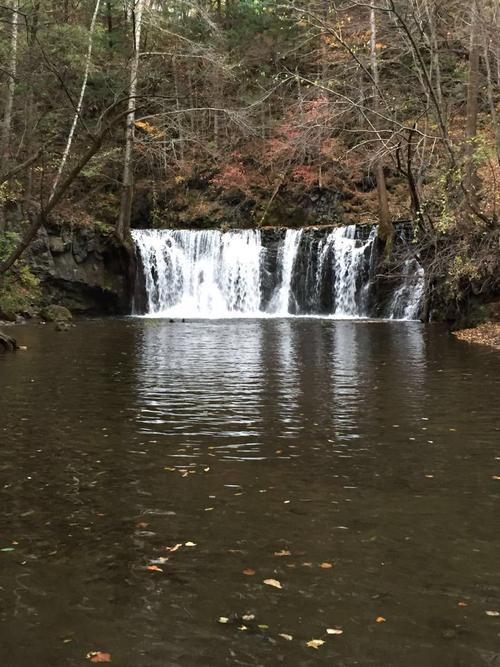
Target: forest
{"x": 249, "y": 333}
{"x": 250, "y": 113}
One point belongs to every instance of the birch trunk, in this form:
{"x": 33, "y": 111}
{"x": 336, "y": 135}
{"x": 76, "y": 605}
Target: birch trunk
{"x": 9, "y": 99}
{"x": 123, "y": 226}
{"x": 472, "y": 103}
{"x": 385, "y": 229}
{"x": 79, "y": 106}
{"x": 11, "y": 86}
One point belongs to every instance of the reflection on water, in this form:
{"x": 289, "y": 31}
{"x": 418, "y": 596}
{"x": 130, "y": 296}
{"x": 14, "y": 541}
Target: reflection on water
{"x": 372, "y": 446}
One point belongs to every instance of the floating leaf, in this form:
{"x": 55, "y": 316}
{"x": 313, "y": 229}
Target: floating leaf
{"x": 334, "y": 631}
{"x": 326, "y": 566}
{"x": 190, "y": 544}
{"x": 154, "y": 568}
{"x": 98, "y": 656}
{"x": 7, "y": 549}
{"x": 242, "y": 627}
{"x": 462, "y": 604}
{"x": 141, "y": 524}
{"x": 493, "y": 613}
{"x": 315, "y": 643}
{"x": 223, "y": 619}
{"x": 272, "y": 582}
{"x": 380, "y": 619}
{"x": 283, "y": 552}
{"x": 497, "y": 477}
{"x": 248, "y": 617}
{"x": 174, "y": 548}
{"x": 249, "y": 572}
{"x": 284, "y": 636}
{"x": 263, "y": 626}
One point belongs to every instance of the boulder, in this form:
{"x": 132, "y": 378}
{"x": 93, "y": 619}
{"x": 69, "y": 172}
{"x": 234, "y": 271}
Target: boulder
{"x": 7, "y": 344}
{"x": 56, "y": 313}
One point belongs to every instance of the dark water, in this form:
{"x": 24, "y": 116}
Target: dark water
{"x": 369, "y": 446}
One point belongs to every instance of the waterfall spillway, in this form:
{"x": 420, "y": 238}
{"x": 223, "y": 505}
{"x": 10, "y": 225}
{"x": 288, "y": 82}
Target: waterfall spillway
{"x": 241, "y": 273}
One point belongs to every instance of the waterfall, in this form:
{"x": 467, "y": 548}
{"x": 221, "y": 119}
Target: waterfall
{"x": 287, "y": 254}
{"x": 246, "y": 273}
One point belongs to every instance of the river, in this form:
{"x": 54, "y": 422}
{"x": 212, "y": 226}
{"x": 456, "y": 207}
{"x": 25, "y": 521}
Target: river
{"x": 352, "y": 462}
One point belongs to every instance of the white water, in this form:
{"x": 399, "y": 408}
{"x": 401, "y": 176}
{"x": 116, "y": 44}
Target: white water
{"x": 287, "y": 254}
{"x": 209, "y": 274}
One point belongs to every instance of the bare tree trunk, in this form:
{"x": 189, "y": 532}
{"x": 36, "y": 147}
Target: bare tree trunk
{"x": 123, "y": 226}
{"x": 472, "y": 102}
{"x": 80, "y": 99}
{"x": 491, "y": 100}
{"x": 31, "y": 35}
{"x": 385, "y": 229}
{"x": 9, "y": 98}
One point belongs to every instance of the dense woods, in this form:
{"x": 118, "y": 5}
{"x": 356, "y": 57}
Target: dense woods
{"x": 248, "y": 113}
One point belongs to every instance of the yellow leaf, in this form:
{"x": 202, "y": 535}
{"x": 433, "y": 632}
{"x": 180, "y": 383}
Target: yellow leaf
{"x": 380, "y": 619}
{"x": 283, "y": 552}
{"x": 284, "y": 636}
{"x": 326, "y": 566}
{"x": 334, "y": 631}
{"x": 315, "y": 643}
{"x": 273, "y": 582}
{"x": 249, "y": 572}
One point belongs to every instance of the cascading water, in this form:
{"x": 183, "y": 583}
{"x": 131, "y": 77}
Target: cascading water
{"x": 210, "y": 274}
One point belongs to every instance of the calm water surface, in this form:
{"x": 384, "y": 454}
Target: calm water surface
{"x": 370, "y": 446}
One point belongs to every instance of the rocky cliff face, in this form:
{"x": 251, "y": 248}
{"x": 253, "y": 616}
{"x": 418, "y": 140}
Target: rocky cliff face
{"x": 85, "y": 269}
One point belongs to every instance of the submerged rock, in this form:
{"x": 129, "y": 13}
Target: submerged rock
{"x": 62, "y": 326}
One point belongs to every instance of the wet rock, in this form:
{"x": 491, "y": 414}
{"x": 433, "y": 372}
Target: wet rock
{"x": 56, "y": 313}
{"x": 7, "y": 343}
{"x": 62, "y": 326}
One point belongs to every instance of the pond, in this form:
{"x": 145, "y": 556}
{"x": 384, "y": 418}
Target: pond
{"x": 154, "y": 475}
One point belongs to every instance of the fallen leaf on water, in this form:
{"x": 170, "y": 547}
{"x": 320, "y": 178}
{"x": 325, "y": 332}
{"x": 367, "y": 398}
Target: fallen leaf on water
{"x": 190, "y": 544}
{"x": 307, "y": 564}
{"x": 462, "y": 604}
{"x": 154, "y": 568}
{"x": 174, "y": 548}
{"x": 273, "y": 582}
{"x": 493, "y": 613}
{"x": 223, "y": 619}
{"x": 99, "y": 656}
{"x": 169, "y": 469}
{"x": 7, "y": 549}
{"x": 497, "y": 477}
{"x": 242, "y": 627}
{"x": 334, "y": 631}
{"x": 326, "y": 566}
{"x": 141, "y": 524}
{"x": 380, "y": 619}
{"x": 315, "y": 643}
{"x": 263, "y": 626}
{"x": 284, "y": 636}
{"x": 283, "y": 552}
{"x": 208, "y": 509}
{"x": 206, "y": 469}
{"x": 249, "y": 572}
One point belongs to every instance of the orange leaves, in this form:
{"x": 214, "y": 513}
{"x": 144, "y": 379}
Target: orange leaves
{"x": 326, "y": 566}
{"x": 98, "y": 656}
{"x": 154, "y": 568}
{"x": 380, "y": 619}
{"x": 281, "y": 553}
{"x": 249, "y": 572}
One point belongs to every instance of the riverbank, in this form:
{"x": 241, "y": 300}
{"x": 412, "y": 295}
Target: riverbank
{"x": 484, "y": 334}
